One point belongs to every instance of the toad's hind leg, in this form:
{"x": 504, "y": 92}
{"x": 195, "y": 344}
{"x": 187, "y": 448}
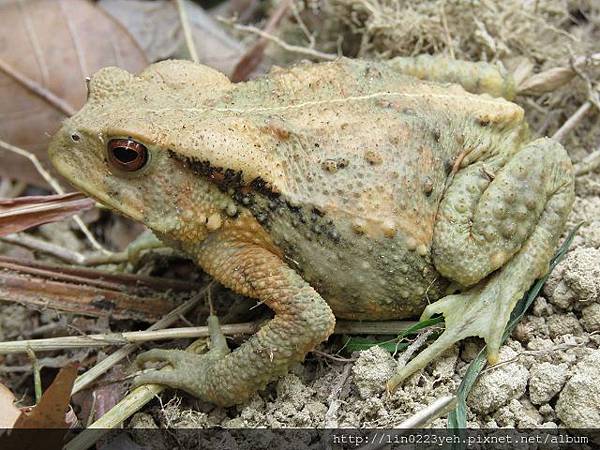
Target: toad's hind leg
{"x": 302, "y": 320}
{"x": 475, "y": 77}
{"x": 496, "y": 233}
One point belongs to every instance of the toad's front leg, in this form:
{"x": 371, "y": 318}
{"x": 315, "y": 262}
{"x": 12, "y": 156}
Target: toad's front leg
{"x": 302, "y": 320}
{"x": 496, "y": 231}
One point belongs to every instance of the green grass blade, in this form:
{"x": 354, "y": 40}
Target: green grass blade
{"x": 354, "y": 344}
{"x": 457, "y": 419}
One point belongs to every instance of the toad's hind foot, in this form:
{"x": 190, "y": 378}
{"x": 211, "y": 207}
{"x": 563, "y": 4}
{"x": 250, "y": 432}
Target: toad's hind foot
{"x": 482, "y": 312}
{"x": 501, "y": 271}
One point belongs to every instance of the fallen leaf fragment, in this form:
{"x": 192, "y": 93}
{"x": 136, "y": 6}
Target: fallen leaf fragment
{"x": 8, "y": 411}
{"x": 21, "y": 213}
{"x": 156, "y": 26}
{"x": 51, "y": 410}
{"x": 44, "y": 426}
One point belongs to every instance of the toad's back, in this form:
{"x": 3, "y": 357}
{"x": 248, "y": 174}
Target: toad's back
{"x": 360, "y": 156}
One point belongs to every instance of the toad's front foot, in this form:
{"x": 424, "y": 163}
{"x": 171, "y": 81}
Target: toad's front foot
{"x": 191, "y": 372}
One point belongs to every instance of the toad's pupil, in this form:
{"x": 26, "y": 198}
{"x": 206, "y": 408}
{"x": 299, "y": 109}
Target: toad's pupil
{"x": 127, "y": 154}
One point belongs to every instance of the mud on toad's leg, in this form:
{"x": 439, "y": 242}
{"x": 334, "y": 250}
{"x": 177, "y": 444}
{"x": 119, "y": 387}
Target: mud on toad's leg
{"x": 506, "y": 227}
{"x": 302, "y": 320}
{"x": 475, "y": 77}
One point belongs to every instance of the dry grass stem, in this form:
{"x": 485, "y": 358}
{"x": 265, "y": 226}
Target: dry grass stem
{"x": 33, "y": 243}
{"x": 187, "y": 32}
{"x": 414, "y": 346}
{"x": 590, "y": 163}
{"x": 572, "y": 122}
{"x": 154, "y": 333}
{"x": 331, "y": 419}
{"x": 67, "y": 255}
{"x": 424, "y": 417}
{"x": 421, "y": 419}
{"x": 307, "y": 51}
{"x": 37, "y": 380}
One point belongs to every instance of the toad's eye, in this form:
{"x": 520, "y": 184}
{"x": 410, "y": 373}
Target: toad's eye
{"x": 127, "y": 154}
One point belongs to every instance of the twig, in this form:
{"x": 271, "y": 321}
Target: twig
{"x": 187, "y": 32}
{"x": 87, "y": 378}
{"x": 33, "y": 243}
{"x": 289, "y": 47}
{"x": 419, "y": 420}
{"x": 130, "y": 337}
{"x": 332, "y": 357}
{"x": 447, "y": 32}
{"x": 95, "y": 277}
{"x": 57, "y": 188}
{"x": 572, "y": 122}
{"x": 37, "y": 89}
{"x": 121, "y": 411}
{"x": 62, "y": 253}
{"x": 37, "y": 381}
{"x": 414, "y": 346}
{"x": 424, "y": 417}
{"x": 589, "y": 163}
{"x": 36, "y": 162}
{"x": 155, "y": 333}
{"x": 252, "y": 58}
{"x": 310, "y": 36}
{"x": 333, "y": 399}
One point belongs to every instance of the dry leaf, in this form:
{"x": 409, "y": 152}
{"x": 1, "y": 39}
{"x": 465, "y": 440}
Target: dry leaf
{"x": 51, "y": 410}
{"x": 157, "y": 28}
{"x": 547, "y": 81}
{"x": 17, "y": 214}
{"x": 51, "y": 47}
{"x": 44, "y": 425}
{"x": 8, "y": 411}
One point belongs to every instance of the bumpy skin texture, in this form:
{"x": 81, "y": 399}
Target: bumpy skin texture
{"x": 351, "y": 188}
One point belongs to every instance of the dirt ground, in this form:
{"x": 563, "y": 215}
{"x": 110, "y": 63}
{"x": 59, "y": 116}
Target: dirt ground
{"x": 550, "y": 370}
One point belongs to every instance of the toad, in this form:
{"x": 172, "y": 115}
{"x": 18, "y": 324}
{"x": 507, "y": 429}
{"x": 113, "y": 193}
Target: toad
{"x": 358, "y": 189}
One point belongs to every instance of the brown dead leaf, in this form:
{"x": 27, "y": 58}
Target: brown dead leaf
{"x": 47, "y": 49}
{"x": 45, "y": 425}
{"x": 51, "y": 410}
{"x": 17, "y": 214}
{"x": 157, "y": 28}
{"x": 8, "y": 411}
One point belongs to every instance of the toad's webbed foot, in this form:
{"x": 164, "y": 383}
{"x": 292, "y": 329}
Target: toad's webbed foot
{"x": 496, "y": 235}
{"x": 480, "y": 311}
{"x": 190, "y": 371}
